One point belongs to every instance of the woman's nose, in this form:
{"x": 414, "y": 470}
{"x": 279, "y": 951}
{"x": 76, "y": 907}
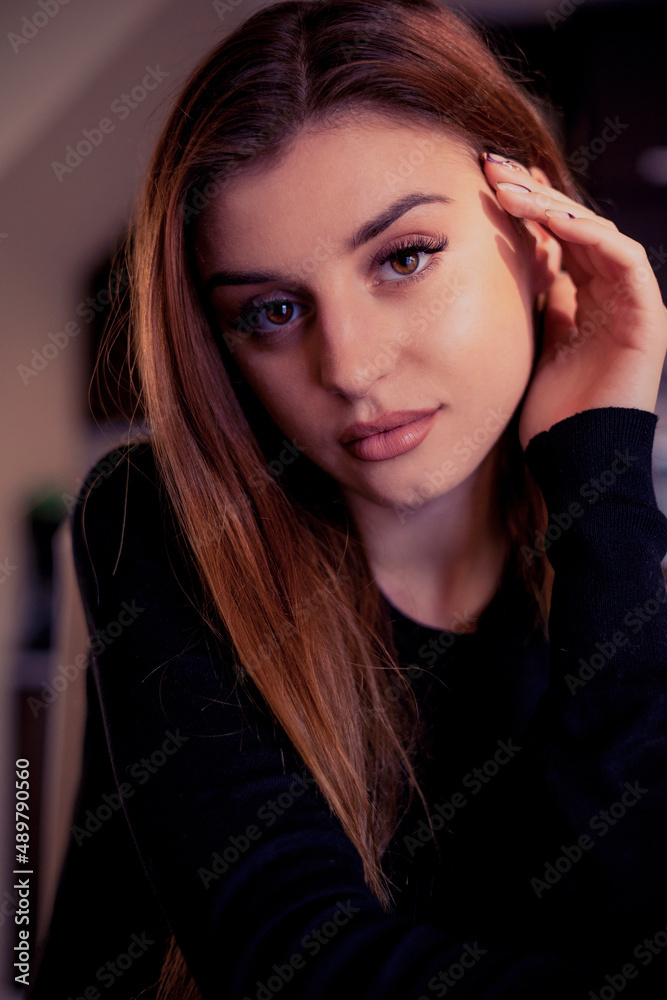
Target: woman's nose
{"x": 357, "y": 343}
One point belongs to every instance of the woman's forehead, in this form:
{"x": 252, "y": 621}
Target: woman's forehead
{"x": 348, "y": 169}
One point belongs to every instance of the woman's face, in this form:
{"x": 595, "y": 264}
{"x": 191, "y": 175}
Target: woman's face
{"x": 342, "y": 325}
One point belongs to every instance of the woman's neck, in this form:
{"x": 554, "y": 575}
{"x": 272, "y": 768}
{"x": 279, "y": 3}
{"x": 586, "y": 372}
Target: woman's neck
{"x": 443, "y": 563}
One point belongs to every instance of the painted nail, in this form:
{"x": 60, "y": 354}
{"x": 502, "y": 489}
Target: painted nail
{"x": 506, "y": 186}
{"x": 555, "y": 213}
{"x": 504, "y": 163}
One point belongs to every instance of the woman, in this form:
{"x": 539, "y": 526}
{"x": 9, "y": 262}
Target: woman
{"x": 389, "y": 718}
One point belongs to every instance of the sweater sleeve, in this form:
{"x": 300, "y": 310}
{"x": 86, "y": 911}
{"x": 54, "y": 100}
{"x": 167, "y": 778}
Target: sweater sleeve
{"x": 261, "y": 886}
{"x": 599, "y": 736}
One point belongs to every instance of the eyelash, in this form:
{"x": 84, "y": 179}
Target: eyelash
{"x": 427, "y": 245}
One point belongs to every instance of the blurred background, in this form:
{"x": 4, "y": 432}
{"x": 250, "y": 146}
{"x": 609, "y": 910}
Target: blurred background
{"x": 85, "y": 87}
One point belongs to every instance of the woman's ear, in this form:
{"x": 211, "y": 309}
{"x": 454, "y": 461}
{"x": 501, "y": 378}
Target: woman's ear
{"x": 547, "y": 261}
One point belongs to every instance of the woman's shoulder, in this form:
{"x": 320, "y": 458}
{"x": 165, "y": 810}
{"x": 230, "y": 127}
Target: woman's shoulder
{"x": 121, "y": 511}
{"x": 133, "y": 459}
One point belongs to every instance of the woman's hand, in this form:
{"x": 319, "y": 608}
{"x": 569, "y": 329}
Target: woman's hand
{"x": 605, "y": 325}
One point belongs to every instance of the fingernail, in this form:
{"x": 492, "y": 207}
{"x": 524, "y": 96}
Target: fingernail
{"x": 503, "y": 163}
{"x": 555, "y": 213}
{"x": 507, "y": 186}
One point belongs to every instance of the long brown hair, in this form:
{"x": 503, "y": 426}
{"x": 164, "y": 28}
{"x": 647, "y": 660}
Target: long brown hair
{"x": 266, "y": 542}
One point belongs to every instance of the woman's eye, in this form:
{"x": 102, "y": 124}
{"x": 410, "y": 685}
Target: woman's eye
{"x": 276, "y": 313}
{"x": 399, "y": 263}
{"x": 407, "y": 261}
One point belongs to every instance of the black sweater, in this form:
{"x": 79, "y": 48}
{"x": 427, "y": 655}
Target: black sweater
{"x": 545, "y": 771}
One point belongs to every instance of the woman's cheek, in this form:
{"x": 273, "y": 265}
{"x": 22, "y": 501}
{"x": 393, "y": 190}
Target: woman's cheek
{"x": 493, "y": 367}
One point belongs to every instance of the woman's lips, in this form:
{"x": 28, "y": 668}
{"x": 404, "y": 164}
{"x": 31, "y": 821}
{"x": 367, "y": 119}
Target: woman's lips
{"x": 389, "y": 444}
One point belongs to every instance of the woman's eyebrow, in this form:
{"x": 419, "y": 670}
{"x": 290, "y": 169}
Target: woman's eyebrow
{"x": 376, "y": 226}
{"x": 364, "y": 234}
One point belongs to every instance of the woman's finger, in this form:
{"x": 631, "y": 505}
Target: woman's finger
{"x": 521, "y": 200}
{"x": 576, "y": 260}
{"x": 614, "y": 255}
{"x": 502, "y": 173}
